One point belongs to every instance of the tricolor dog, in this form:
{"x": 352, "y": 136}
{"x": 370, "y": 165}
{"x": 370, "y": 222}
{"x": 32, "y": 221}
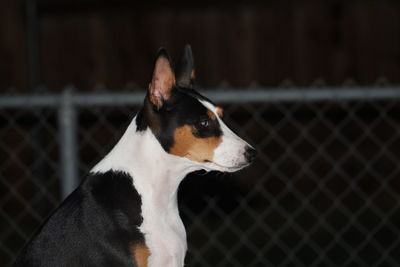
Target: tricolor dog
{"x": 125, "y": 212}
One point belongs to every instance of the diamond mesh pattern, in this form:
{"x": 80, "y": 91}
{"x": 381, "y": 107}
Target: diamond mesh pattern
{"x": 29, "y": 175}
{"x": 324, "y": 190}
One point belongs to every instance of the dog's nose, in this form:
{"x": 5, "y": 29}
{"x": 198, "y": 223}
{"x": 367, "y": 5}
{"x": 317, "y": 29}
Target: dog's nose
{"x": 250, "y": 153}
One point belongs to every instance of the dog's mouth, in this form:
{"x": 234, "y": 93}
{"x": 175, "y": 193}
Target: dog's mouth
{"x": 245, "y": 161}
{"x": 218, "y": 167}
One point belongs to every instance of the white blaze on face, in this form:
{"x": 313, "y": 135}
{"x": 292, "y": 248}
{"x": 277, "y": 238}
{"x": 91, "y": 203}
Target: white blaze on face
{"x": 230, "y": 153}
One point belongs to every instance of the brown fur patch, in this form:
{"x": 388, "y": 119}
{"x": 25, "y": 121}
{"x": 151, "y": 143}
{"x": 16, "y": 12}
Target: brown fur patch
{"x": 211, "y": 114}
{"x": 191, "y": 147}
{"x": 141, "y": 254}
{"x": 220, "y": 112}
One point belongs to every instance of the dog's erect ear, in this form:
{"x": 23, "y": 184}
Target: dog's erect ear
{"x": 185, "y": 68}
{"x": 163, "y": 79}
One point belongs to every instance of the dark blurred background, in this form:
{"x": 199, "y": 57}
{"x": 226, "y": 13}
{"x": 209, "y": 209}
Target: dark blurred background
{"x": 325, "y": 188}
{"x": 91, "y": 42}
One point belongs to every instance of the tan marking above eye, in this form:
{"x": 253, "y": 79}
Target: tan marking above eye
{"x": 220, "y": 111}
{"x": 211, "y": 114}
{"x": 141, "y": 254}
{"x": 194, "y": 148}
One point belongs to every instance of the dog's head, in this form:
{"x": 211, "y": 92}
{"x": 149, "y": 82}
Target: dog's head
{"x": 187, "y": 124}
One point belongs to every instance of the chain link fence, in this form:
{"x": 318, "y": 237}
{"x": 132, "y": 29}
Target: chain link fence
{"x": 324, "y": 190}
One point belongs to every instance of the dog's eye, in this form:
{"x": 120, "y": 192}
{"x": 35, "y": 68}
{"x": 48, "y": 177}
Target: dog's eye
{"x": 204, "y": 123}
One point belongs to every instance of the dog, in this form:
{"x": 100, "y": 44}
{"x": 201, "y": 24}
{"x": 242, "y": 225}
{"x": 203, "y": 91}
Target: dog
{"x": 125, "y": 211}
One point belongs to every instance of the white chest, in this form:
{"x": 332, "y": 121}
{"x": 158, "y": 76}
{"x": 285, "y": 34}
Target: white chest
{"x": 164, "y": 232}
{"x": 156, "y": 176}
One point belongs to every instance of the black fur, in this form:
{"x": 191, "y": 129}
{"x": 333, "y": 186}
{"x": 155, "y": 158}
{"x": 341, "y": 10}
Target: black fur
{"x": 95, "y": 226}
{"x": 184, "y": 68}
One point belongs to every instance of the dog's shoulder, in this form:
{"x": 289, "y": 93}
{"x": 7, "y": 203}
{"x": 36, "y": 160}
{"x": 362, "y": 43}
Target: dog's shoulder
{"x": 103, "y": 212}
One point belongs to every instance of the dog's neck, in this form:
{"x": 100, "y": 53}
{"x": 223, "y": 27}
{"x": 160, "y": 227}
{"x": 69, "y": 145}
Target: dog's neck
{"x": 153, "y": 170}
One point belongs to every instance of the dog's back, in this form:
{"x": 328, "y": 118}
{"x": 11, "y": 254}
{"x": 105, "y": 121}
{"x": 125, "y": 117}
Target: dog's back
{"x": 97, "y": 225}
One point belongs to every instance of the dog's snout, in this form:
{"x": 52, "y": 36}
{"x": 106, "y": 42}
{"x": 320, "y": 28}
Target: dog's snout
{"x": 250, "y": 153}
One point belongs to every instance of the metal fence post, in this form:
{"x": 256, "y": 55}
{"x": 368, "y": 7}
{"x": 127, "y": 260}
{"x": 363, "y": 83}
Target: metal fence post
{"x": 67, "y": 120}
